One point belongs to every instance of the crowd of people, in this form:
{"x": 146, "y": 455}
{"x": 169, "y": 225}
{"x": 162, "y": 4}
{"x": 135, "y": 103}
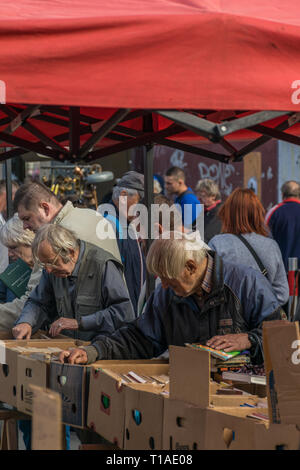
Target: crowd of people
{"x": 89, "y": 268}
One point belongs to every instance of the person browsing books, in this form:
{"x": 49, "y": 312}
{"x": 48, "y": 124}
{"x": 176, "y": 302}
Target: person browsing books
{"x": 81, "y": 291}
{"x": 201, "y": 299}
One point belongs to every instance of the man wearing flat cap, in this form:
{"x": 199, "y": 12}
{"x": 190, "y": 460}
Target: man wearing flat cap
{"x": 128, "y": 192}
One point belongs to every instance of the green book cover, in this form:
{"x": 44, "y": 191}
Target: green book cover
{"x": 16, "y": 277}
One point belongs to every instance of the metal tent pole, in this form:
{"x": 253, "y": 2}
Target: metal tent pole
{"x": 148, "y": 156}
{"x": 9, "y": 201}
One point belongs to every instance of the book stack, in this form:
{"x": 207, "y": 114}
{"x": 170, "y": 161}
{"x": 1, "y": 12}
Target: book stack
{"x": 232, "y": 365}
{"x": 248, "y": 374}
{"x": 216, "y": 353}
{"x": 132, "y": 377}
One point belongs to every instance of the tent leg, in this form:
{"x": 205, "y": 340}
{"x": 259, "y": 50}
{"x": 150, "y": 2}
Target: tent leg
{"x": 9, "y": 202}
{"x": 148, "y": 156}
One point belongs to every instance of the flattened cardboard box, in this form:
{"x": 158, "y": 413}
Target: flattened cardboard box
{"x": 73, "y": 384}
{"x": 282, "y": 370}
{"x": 144, "y": 412}
{"x": 9, "y": 363}
{"x": 190, "y": 380}
{"x": 106, "y": 408}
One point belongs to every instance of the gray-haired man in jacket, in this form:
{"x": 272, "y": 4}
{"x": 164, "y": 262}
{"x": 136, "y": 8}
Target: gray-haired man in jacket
{"x": 201, "y": 300}
{"x": 81, "y": 292}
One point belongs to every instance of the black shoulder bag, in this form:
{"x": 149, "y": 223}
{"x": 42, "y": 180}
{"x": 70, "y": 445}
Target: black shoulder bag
{"x": 254, "y": 254}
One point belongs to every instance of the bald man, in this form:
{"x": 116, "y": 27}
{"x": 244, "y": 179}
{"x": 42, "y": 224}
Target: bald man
{"x": 284, "y": 222}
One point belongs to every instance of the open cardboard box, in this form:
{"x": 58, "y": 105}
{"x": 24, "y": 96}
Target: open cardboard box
{"x": 187, "y": 427}
{"x": 73, "y": 383}
{"x": 190, "y": 380}
{"x": 234, "y": 429}
{"x": 40, "y": 334}
{"x": 106, "y": 405}
{"x": 9, "y": 362}
{"x": 144, "y": 412}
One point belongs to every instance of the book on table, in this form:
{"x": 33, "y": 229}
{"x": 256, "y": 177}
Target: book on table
{"x": 218, "y": 353}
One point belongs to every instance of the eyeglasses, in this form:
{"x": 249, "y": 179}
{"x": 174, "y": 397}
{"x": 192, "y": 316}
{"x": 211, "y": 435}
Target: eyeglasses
{"x": 50, "y": 265}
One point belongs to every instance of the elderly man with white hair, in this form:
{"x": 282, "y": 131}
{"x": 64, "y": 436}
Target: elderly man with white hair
{"x": 201, "y": 300}
{"x": 81, "y": 292}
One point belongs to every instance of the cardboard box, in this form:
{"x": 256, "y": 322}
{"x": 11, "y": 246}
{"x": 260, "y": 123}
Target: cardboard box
{"x": 277, "y": 437}
{"x": 187, "y": 427}
{"x": 73, "y": 383}
{"x": 40, "y": 334}
{"x": 144, "y": 412}
{"x": 190, "y": 380}
{"x": 9, "y": 363}
{"x": 239, "y": 432}
{"x": 230, "y": 429}
{"x": 183, "y": 426}
{"x": 106, "y": 407}
{"x": 31, "y": 371}
{"x": 46, "y": 420}
{"x": 281, "y": 341}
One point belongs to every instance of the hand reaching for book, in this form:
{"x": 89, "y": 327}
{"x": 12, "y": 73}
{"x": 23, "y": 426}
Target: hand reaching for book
{"x": 234, "y": 342}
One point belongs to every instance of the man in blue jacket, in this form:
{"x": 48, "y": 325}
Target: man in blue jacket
{"x": 190, "y": 206}
{"x": 201, "y": 300}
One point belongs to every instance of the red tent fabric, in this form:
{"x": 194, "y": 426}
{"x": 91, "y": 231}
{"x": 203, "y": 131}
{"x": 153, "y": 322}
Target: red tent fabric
{"x": 179, "y": 54}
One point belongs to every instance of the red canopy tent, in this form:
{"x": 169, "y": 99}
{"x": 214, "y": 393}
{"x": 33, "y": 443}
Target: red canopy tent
{"x": 86, "y": 74}
{"x": 81, "y": 79}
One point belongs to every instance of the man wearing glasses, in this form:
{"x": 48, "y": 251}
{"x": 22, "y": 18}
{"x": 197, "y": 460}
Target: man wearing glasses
{"x": 81, "y": 291}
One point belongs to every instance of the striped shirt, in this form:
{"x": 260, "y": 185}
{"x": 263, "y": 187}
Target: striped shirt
{"x": 206, "y": 284}
{"x": 207, "y": 281}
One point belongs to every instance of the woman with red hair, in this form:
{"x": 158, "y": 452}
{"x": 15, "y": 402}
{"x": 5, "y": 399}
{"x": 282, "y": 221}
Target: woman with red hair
{"x": 245, "y": 239}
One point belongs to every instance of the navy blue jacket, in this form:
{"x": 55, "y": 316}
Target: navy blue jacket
{"x": 132, "y": 258}
{"x": 240, "y": 300}
{"x": 284, "y": 223}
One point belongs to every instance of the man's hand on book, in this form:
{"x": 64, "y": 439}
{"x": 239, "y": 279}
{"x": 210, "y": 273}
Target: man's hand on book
{"x": 235, "y": 342}
{"x": 22, "y": 331}
{"x": 63, "y": 324}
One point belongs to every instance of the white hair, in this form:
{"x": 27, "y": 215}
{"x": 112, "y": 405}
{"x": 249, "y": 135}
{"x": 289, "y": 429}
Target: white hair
{"x": 209, "y": 186}
{"x": 60, "y": 239}
{"x": 118, "y": 189}
{"x": 168, "y": 256}
{"x": 12, "y": 233}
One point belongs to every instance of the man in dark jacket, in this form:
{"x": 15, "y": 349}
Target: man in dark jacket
{"x": 127, "y": 193}
{"x": 209, "y": 195}
{"x": 201, "y": 299}
{"x": 81, "y": 292}
{"x": 284, "y": 222}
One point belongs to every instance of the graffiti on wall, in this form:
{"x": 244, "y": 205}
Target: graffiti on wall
{"x": 177, "y": 159}
{"x": 219, "y": 172}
